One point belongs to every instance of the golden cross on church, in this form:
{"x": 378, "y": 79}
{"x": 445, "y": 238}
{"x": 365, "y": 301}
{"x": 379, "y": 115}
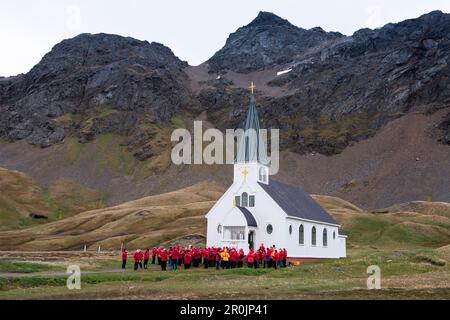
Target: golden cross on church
{"x": 245, "y": 173}
{"x": 252, "y": 87}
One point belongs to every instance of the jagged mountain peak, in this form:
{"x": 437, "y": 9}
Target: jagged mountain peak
{"x": 265, "y": 18}
{"x": 266, "y": 42}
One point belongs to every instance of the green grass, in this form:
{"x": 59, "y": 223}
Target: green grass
{"x": 392, "y": 231}
{"x": 106, "y": 111}
{"x": 366, "y": 229}
{"x": 7, "y": 266}
{"x": 327, "y": 278}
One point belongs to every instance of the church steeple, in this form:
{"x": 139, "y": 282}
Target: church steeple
{"x": 252, "y": 147}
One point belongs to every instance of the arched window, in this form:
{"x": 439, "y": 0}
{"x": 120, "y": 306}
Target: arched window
{"x": 251, "y": 201}
{"x": 325, "y": 237}
{"x": 269, "y": 228}
{"x": 290, "y": 229}
{"x": 237, "y": 199}
{"x": 262, "y": 174}
{"x": 301, "y": 235}
{"x": 334, "y": 235}
{"x": 313, "y": 236}
{"x": 244, "y": 199}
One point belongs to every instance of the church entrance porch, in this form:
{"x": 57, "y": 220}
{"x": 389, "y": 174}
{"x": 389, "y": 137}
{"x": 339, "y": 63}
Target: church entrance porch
{"x": 235, "y": 237}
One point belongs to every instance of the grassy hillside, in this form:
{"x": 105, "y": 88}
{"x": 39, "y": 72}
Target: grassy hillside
{"x": 144, "y": 222}
{"x": 413, "y": 224}
{"x": 179, "y": 217}
{"x": 24, "y": 203}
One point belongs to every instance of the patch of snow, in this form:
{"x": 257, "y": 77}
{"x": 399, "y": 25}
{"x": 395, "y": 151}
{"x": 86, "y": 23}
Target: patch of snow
{"x": 279, "y": 73}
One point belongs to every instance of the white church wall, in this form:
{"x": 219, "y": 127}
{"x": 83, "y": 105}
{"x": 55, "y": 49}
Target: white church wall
{"x": 215, "y": 217}
{"x": 342, "y": 246}
{"x": 266, "y": 211}
{"x": 307, "y": 249}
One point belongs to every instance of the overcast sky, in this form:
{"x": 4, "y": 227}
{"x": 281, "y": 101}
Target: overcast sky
{"x": 193, "y": 29}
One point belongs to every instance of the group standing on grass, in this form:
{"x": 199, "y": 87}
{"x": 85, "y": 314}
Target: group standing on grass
{"x": 219, "y": 258}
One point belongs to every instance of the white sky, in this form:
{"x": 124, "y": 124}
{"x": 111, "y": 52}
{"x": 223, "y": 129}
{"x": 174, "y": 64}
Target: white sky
{"x": 193, "y": 29}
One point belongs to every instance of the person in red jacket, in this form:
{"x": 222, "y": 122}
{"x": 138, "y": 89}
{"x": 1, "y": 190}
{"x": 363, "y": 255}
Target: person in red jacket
{"x": 251, "y": 258}
{"x": 285, "y": 258}
{"x": 138, "y": 259}
{"x": 217, "y": 255}
{"x": 241, "y": 258}
{"x": 187, "y": 260}
{"x": 162, "y": 257}
{"x": 206, "y": 258}
{"x": 197, "y": 255}
{"x": 264, "y": 258}
{"x": 154, "y": 254}
{"x": 146, "y": 258}
{"x": 160, "y": 250}
{"x": 212, "y": 257}
{"x": 269, "y": 258}
{"x": 233, "y": 260}
{"x": 262, "y": 247}
{"x": 124, "y": 258}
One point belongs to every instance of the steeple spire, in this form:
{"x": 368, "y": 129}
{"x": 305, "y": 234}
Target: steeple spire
{"x": 252, "y": 147}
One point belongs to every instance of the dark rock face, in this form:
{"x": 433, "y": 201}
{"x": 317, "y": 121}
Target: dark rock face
{"x": 340, "y": 90}
{"x": 88, "y": 74}
{"x": 343, "y": 89}
{"x": 266, "y": 42}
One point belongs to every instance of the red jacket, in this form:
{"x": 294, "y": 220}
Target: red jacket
{"x": 138, "y": 256}
{"x": 124, "y": 255}
{"x": 250, "y": 257}
{"x": 163, "y": 256}
{"x": 146, "y": 255}
{"x": 187, "y": 258}
{"x": 154, "y": 251}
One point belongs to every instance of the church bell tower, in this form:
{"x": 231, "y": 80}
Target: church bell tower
{"x": 251, "y": 162}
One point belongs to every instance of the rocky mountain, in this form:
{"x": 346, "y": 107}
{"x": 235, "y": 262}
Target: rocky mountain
{"x": 93, "y": 84}
{"x": 337, "y": 90}
{"x": 268, "y": 41}
{"x": 102, "y": 108}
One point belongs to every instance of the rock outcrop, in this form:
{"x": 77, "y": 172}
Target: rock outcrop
{"x": 92, "y": 84}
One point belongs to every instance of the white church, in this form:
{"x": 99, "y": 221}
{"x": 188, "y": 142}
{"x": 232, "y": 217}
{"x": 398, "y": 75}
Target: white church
{"x": 256, "y": 209}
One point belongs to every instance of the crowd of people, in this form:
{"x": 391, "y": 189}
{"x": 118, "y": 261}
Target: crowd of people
{"x": 219, "y": 258}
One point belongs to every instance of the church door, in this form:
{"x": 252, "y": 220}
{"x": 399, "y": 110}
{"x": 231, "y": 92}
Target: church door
{"x": 251, "y": 236}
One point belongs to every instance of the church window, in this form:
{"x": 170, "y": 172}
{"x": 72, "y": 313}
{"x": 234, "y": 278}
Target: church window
{"x": 219, "y": 228}
{"x": 334, "y": 235}
{"x": 244, "y": 199}
{"x": 325, "y": 237}
{"x": 251, "y": 201}
{"x": 263, "y": 174}
{"x": 237, "y": 199}
{"x": 234, "y": 233}
{"x": 313, "y": 236}
{"x": 290, "y": 229}
{"x": 301, "y": 235}
{"x": 269, "y": 229}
